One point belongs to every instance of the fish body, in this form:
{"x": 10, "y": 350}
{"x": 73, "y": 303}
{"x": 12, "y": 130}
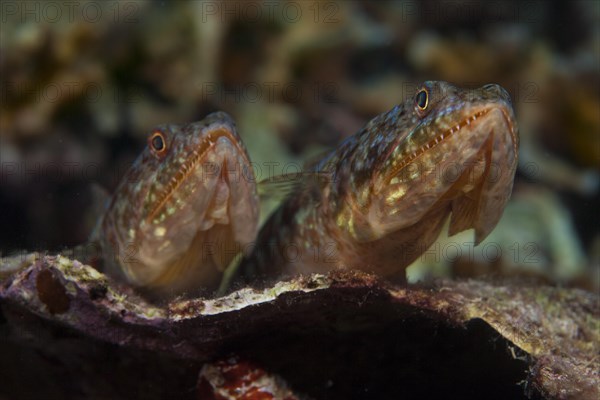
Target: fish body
{"x": 390, "y": 187}
{"x": 184, "y": 210}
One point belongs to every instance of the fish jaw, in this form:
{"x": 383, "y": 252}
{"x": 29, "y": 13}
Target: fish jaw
{"x": 487, "y": 191}
{"x": 465, "y": 153}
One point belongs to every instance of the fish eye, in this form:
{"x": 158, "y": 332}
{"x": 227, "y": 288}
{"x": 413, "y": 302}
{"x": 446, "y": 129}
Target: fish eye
{"x": 422, "y": 99}
{"x": 157, "y": 143}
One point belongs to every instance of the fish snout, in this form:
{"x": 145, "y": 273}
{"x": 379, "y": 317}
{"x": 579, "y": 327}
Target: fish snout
{"x": 495, "y": 91}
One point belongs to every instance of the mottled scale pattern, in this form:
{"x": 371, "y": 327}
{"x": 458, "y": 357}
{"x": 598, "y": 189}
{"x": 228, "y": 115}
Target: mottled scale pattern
{"x": 181, "y": 215}
{"x": 390, "y": 187}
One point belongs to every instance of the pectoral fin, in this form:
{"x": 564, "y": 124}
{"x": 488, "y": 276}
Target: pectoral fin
{"x": 95, "y": 214}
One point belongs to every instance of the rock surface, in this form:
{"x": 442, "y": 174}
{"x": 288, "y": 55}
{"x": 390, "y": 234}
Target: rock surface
{"x": 75, "y": 332}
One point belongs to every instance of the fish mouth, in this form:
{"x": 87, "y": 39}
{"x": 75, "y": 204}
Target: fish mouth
{"x": 185, "y": 170}
{"x": 444, "y": 135}
{"x": 463, "y": 123}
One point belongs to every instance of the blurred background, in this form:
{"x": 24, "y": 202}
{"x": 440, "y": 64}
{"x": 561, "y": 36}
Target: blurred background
{"x": 83, "y": 83}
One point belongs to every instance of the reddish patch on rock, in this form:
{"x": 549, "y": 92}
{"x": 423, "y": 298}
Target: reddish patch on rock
{"x": 238, "y": 374}
{"x": 241, "y": 380}
{"x": 51, "y": 292}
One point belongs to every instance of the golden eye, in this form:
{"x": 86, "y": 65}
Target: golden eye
{"x": 157, "y": 144}
{"x": 422, "y": 99}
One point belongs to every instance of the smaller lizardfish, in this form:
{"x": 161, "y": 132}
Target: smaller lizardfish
{"x": 184, "y": 210}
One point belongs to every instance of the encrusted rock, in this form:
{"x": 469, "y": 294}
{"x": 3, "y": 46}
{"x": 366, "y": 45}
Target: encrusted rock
{"x": 327, "y": 336}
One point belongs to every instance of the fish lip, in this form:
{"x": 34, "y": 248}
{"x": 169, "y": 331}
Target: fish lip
{"x": 505, "y": 107}
{"x": 508, "y": 117}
